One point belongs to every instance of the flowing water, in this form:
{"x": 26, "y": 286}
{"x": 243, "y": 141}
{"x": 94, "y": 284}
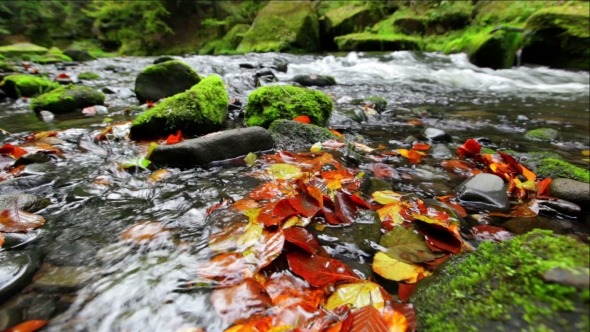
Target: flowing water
{"x": 143, "y": 288}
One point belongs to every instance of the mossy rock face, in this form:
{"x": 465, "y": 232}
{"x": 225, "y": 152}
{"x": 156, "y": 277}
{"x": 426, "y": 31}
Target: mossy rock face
{"x": 346, "y": 20}
{"x": 17, "y": 50}
{"x": 534, "y": 282}
{"x": 200, "y": 110}
{"x": 555, "y": 168}
{"x": 558, "y": 38}
{"x": 411, "y": 25}
{"x": 164, "y": 80}
{"x": 231, "y": 40}
{"x": 17, "y": 86}
{"x": 291, "y": 135}
{"x": 79, "y": 55}
{"x": 271, "y": 103}
{"x": 373, "y": 42}
{"x": 67, "y": 99}
{"x": 542, "y": 134}
{"x": 87, "y": 75}
{"x": 485, "y": 49}
{"x": 283, "y": 26}
{"x": 53, "y": 55}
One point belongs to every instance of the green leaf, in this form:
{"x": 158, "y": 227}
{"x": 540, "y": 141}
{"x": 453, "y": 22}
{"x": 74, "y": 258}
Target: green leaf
{"x": 251, "y": 159}
{"x": 139, "y": 162}
{"x": 284, "y": 171}
{"x": 407, "y": 246}
{"x": 151, "y": 149}
{"x": 107, "y": 120}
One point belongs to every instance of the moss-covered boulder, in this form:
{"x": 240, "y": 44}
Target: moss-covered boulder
{"x": 345, "y": 20}
{"x": 164, "y": 80}
{"x": 495, "y": 50}
{"x": 200, "y": 110}
{"x": 534, "y": 282}
{"x": 291, "y": 135}
{"x": 88, "y": 75}
{"x": 6, "y": 67}
{"x": 79, "y": 55}
{"x": 542, "y": 134}
{"x": 558, "y": 37}
{"x": 163, "y": 59}
{"x": 231, "y": 40}
{"x": 283, "y": 26}
{"x": 53, "y": 55}
{"x": 374, "y": 42}
{"x": 555, "y": 168}
{"x": 17, "y": 86}
{"x": 20, "y": 49}
{"x": 271, "y": 103}
{"x": 67, "y": 99}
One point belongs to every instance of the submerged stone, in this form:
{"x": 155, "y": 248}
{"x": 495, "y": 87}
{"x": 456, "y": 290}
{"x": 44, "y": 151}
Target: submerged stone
{"x": 67, "y": 99}
{"x": 523, "y": 225}
{"x": 291, "y": 135}
{"x": 542, "y": 134}
{"x": 164, "y": 80}
{"x": 27, "y": 202}
{"x": 200, "y": 110}
{"x": 16, "y": 271}
{"x": 436, "y": 135}
{"x": 441, "y": 151}
{"x": 271, "y": 103}
{"x": 375, "y": 102}
{"x": 483, "y": 192}
{"x": 61, "y": 279}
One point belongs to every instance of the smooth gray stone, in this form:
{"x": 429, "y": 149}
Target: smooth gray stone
{"x": 16, "y": 271}
{"x": 436, "y": 135}
{"x": 213, "y": 147}
{"x": 441, "y": 151}
{"x": 484, "y": 192}
{"x": 314, "y": 80}
{"x": 18, "y": 185}
{"x": 572, "y": 191}
{"x": 27, "y": 202}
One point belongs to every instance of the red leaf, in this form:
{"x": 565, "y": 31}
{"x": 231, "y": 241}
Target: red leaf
{"x": 368, "y": 319}
{"x": 283, "y": 209}
{"x": 420, "y": 146}
{"x": 14, "y": 151}
{"x": 305, "y": 204}
{"x": 345, "y": 207}
{"x": 264, "y": 191}
{"x": 405, "y": 290}
{"x": 286, "y": 289}
{"x": 316, "y": 193}
{"x": 433, "y": 264}
{"x": 336, "y": 133}
{"x": 469, "y": 149}
{"x": 319, "y": 271}
{"x": 302, "y": 119}
{"x": 302, "y": 238}
{"x": 439, "y": 237}
{"x": 362, "y": 203}
{"x": 490, "y": 233}
{"x": 267, "y": 217}
{"x": 543, "y": 187}
{"x": 28, "y": 326}
{"x": 242, "y": 303}
{"x": 62, "y": 75}
{"x": 173, "y": 139}
{"x": 228, "y": 267}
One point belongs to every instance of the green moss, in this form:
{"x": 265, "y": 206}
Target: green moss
{"x": 5, "y": 67}
{"x": 87, "y": 75}
{"x": 17, "y": 86}
{"x": 542, "y": 134}
{"x": 67, "y": 99}
{"x": 200, "y": 110}
{"x": 373, "y": 42}
{"x": 500, "y": 287}
{"x": 555, "y": 168}
{"x": 271, "y": 103}
{"x": 283, "y": 26}
{"x": 508, "y": 12}
{"x": 231, "y": 40}
{"x": 17, "y": 50}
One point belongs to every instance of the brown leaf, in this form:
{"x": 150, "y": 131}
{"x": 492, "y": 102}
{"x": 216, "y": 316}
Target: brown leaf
{"x": 241, "y": 303}
{"x": 368, "y": 319}
{"x": 319, "y": 271}
{"x": 14, "y": 220}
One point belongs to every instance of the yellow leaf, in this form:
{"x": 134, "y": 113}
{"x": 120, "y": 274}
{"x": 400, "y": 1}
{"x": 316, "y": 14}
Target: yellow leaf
{"x": 252, "y": 233}
{"x": 429, "y": 220}
{"x": 392, "y": 269}
{"x": 529, "y": 185}
{"x": 358, "y": 295}
{"x": 296, "y": 221}
{"x": 386, "y": 196}
{"x": 316, "y": 147}
{"x": 391, "y": 210}
{"x": 334, "y": 184}
{"x": 282, "y": 328}
{"x": 158, "y": 175}
{"x": 363, "y": 148}
{"x": 586, "y": 153}
{"x": 284, "y": 171}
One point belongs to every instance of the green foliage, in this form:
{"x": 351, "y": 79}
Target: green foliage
{"x": 88, "y": 76}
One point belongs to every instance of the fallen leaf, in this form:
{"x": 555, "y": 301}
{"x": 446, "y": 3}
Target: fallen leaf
{"x": 138, "y": 162}
{"x": 15, "y": 220}
{"x": 543, "y": 186}
{"x": 144, "y": 231}
{"x": 158, "y": 175}
{"x": 12, "y": 151}
{"x": 229, "y": 268}
{"x": 285, "y": 290}
{"x": 302, "y": 119}
{"x": 420, "y": 146}
{"x": 406, "y": 245}
{"x": 345, "y": 208}
{"x": 241, "y": 303}
{"x": 335, "y": 132}
{"x": 386, "y": 196}
{"x": 363, "y": 148}
{"x": 63, "y": 75}
{"x": 469, "y": 149}
{"x": 383, "y": 171}
{"x": 333, "y": 144}
{"x": 28, "y": 326}
{"x": 358, "y": 295}
{"x": 305, "y": 204}
{"x": 284, "y": 171}
{"x": 302, "y": 238}
{"x": 251, "y": 159}
{"x": 391, "y": 211}
{"x": 245, "y": 204}
{"x": 393, "y": 269}
{"x": 395, "y": 320}
{"x": 586, "y": 153}
{"x": 265, "y": 191}
{"x": 368, "y": 319}
{"x": 319, "y": 271}
{"x": 174, "y": 139}
{"x": 490, "y": 233}
{"x": 404, "y": 290}
{"x": 413, "y": 156}
{"x": 442, "y": 238}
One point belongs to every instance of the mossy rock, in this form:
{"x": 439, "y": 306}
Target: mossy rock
{"x": 509, "y": 286}
{"x": 2, "y": 58}
{"x": 20, "y": 49}
{"x": 164, "y": 80}
{"x": 555, "y": 168}
{"x": 17, "y": 86}
{"x": 53, "y": 55}
{"x": 411, "y": 25}
{"x": 163, "y": 59}
{"x": 542, "y": 134}
{"x": 277, "y": 102}
{"x": 558, "y": 37}
{"x": 372, "y": 42}
{"x": 485, "y": 49}
{"x": 377, "y": 103}
{"x": 88, "y": 75}
{"x": 283, "y": 26}
{"x": 200, "y": 110}
{"x": 346, "y": 20}
{"x": 67, "y": 99}
{"x": 5, "y": 67}
{"x": 79, "y": 55}
{"x": 291, "y": 135}
{"x": 231, "y": 40}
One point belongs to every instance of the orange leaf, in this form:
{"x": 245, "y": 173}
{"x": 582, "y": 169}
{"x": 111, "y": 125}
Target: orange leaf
{"x": 228, "y": 267}
{"x": 28, "y": 326}
{"x": 415, "y": 123}
{"x": 242, "y": 303}
{"x": 265, "y": 191}
{"x": 316, "y": 193}
{"x": 336, "y": 133}
{"x": 470, "y": 148}
{"x": 543, "y": 187}
{"x": 173, "y": 139}
{"x": 420, "y": 146}
{"x": 413, "y": 156}
{"x": 13, "y": 151}
{"x": 15, "y": 220}
{"x": 395, "y": 320}
{"x": 302, "y": 119}
{"x": 245, "y": 204}
{"x": 368, "y": 319}
{"x": 286, "y": 289}
{"x": 1, "y": 239}
{"x": 527, "y": 173}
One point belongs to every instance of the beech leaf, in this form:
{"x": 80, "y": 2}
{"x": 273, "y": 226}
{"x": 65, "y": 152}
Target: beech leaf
{"x": 386, "y": 197}
{"x": 319, "y": 271}
{"x": 15, "y": 220}
{"x": 284, "y": 171}
{"x": 358, "y": 295}
{"x": 251, "y": 159}
{"x": 368, "y": 319}
{"x": 393, "y": 269}
{"x": 302, "y": 238}
{"x": 407, "y": 245}
{"x": 241, "y": 303}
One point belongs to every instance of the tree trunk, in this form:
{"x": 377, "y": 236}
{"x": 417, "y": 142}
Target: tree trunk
{"x": 217, "y": 13}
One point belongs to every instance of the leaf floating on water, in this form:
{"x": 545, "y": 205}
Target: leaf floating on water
{"x": 139, "y": 162}
{"x": 28, "y": 326}
{"x": 490, "y": 233}
{"x": 158, "y": 176}
{"x": 302, "y": 119}
{"x": 153, "y": 146}
{"x": 368, "y": 319}
{"x": 358, "y": 295}
{"x": 241, "y": 303}
{"x": 144, "y": 231}
{"x": 250, "y": 159}
{"x": 174, "y": 139}
{"x": 12, "y": 151}
{"x": 15, "y": 220}
{"x": 302, "y": 238}
{"x": 407, "y": 246}
{"x": 393, "y": 269}
{"x": 586, "y": 153}
{"x": 284, "y": 171}
{"x": 320, "y": 271}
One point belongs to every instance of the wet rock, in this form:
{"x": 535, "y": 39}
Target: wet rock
{"x": 436, "y": 135}
{"x": 87, "y": 75}
{"x": 10, "y": 317}
{"x": 163, "y": 59}
{"x": 572, "y": 191}
{"x": 46, "y": 116}
{"x": 16, "y": 271}
{"x": 264, "y": 77}
{"x": 17, "y": 86}
{"x": 362, "y": 235}
{"x": 67, "y": 99}
{"x": 357, "y": 115}
{"x": 283, "y": 26}
{"x": 483, "y": 192}
{"x": 371, "y": 185}
{"x": 72, "y": 253}
{"x": 20, "y": 240}
{"x": 494, "y": 284}
{"x": 27, "y": 202}
{"x": 271, "y": 103}
{"x": 411, "y": 25}
{"x": 114, "y": 68}
{"x": 248, "y": 65}
{"x": 200, "y": 110}
{"x": 523, "y": 225}
{"x": 542, "y": 134}
{"x": 495, "y": 50}
{"x": 61, "y": 279}
{"x": 217, "y": 146}
{"x": 33, "y": 306}
{"x": 374, "y": 102}
{"x": 314, "y": 80}
{"x": 234, "y": 104}
{"x": 2, "y": 94}
{"x": 120, "y": 92}
{"x": 79, "y": 55}
{"x": 291, "y": 135}
{"x": 164, "y": 80}
{"x": 559, "y": 206}
{"x": 578, "y": 277}
{"x": 88, "y": 146}
{"x": 31, "y": 158}
{"x": 38, "y": 169}
{"x": 441, "y": 151}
